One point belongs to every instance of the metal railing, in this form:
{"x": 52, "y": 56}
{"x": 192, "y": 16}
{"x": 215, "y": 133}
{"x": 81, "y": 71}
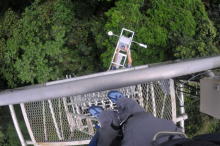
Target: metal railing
{"x": 63, "y": 118}
{"x": 67, "y": 119}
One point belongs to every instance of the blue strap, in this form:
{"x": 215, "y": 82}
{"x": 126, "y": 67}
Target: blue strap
{"x": 97, "y": 126}
{"x": 94, "y": 140}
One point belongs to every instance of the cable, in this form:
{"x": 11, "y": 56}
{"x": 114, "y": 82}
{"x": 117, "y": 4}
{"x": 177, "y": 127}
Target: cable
{"x": 188, "y": 93}
{"x": 187, "y": 82}
{"x": 198, "y": 75}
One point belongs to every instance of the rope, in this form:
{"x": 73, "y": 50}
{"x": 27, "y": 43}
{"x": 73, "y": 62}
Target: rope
{"x": 181, "y": 102}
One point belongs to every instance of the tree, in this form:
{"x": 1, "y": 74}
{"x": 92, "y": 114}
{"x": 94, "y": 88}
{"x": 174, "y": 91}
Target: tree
{"x": 53, "y": 38}
{"x": 126, "y": 14}
{"x": 168, "y": 27}
{"x": 198, "y": 123}
{"x": 8, "y": 134}
{"x": 7, "y": 24}
{"x": 47, "y": 42}
{"x": 202, "y": 43}
{"x": 15, "y": 5}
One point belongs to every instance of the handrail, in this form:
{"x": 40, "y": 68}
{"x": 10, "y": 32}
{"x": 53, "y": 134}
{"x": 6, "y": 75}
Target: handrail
{"x": 110, "y": 81}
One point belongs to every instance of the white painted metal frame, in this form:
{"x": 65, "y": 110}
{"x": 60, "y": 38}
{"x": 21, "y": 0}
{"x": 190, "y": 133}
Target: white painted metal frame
{"x": 44, "y": 121}
{"x": 173, "y": 99}
{"x": 27, "y": 123}
{"x": 153, "y": 99}
{"x": 147, "y": 98}
{"x": 121, "y": 55}
{"x": 17, "y": 127}
{"x": 60, "y": 116}
{"x": 182, "y": 109}
{"x": 71, "y": 120}
{"x": 54, "y": 119}
{"x": 63, "y": 143}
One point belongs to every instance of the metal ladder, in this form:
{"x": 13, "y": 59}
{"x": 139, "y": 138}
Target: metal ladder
{"x": 122, "y": 55}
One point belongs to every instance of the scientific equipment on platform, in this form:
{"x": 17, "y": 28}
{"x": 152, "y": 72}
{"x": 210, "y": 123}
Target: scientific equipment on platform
{"x": 125, "y": 39}
{"x": 210, "y": 96}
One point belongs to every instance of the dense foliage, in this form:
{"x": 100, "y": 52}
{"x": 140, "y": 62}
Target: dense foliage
{"x": 53, "y": 38}
{"x": 171, "y": 29}
{"x": 42, "y": 40}
{"x": 198, "y": 123}
{"x": 46, "y": 42}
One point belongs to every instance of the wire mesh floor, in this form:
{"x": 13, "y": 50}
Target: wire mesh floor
{"x": 68, "y": 119}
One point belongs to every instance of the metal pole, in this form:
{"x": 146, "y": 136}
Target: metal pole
{"x": 173, "y": 100}
{"x": 105, "y": 82}
{"x": 44, "y": 121}
{"x": 153, "y": 99}
{"x": 29, "y": 142}
{"x": 147, "y": 97}
{"x": 164, "y": 102}
{"x": 80, "y": 78}
{"x": 17, "y": 127}
{"x": 182, "y": 118}
{"x": 140, "y": 95}
{"x": 27, "y": 123}
{"x": 54, "y": 119}
{"x": 60, "y": 114}
{"x": 83, "y": 142}
{"x": 182, "y": 109}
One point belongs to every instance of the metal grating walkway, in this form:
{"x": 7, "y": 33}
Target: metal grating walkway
{"x": 67, "y": 119}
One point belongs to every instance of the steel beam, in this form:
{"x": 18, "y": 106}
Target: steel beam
{"x": 173, "y": 100}
{"x": 110, "y": 81}
{"x": 83, "y": 142}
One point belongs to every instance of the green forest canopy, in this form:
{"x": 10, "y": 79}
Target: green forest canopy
{"x": 42, "y": 40}
{"x": 54, "y": 37}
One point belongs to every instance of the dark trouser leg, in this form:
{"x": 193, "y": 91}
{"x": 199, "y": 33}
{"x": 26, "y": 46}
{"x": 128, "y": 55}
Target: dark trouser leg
{"x": 141, "y": 127}
{"x": 127, "y": 107}
{"x": 106, "y": 133}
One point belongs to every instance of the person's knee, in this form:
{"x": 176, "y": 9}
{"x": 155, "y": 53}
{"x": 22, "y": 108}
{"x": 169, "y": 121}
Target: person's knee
{"x": 107, "y": 117}
{"x": 123, "y": 102}
{"x": 127, "y": 103}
